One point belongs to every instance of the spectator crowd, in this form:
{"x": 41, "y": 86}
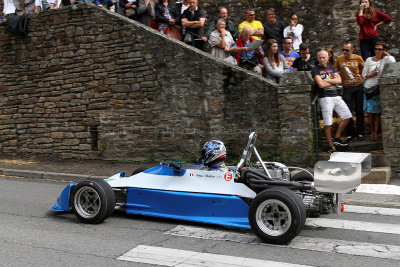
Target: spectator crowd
{"x": 243, "y": 45}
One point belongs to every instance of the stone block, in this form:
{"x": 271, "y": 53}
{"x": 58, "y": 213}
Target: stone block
{"x": 379, "y": 175}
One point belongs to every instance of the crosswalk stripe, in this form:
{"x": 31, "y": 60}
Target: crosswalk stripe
{"x": 385, "y": 228}
{"x": 304, "y": 243}
{"x": 385, "y": 189}
{"x": 185, "y": 258}
{"x": 371, "y": 210}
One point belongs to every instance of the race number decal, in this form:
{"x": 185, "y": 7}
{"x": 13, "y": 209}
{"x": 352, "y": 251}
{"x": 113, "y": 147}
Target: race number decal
{"x": 228, "y": 176}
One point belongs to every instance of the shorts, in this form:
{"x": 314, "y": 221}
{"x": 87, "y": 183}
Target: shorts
{"x": 330, "y": 104}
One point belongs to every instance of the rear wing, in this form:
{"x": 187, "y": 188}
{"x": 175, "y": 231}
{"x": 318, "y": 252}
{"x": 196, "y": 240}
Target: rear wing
{"x": 342, "y": 172}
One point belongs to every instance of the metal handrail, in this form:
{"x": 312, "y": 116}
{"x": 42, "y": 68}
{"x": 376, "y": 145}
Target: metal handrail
{"x": 314, "y": 104}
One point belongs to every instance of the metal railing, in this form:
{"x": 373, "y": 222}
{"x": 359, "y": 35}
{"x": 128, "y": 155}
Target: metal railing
{"x": 314, "y": 104}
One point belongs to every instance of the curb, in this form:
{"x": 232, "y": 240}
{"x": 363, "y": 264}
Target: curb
{"x": 48, "y": 175}
{"x": 370, "y": 199}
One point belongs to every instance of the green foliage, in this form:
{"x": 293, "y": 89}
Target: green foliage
{"x": 285, "y": 3}
{"x": 102, "y": 146}
{"x": 123, "y": 160}
{"x": 177, "y": 159}
{"x": 150, "y": 158}
{"x": 277, "y": 159}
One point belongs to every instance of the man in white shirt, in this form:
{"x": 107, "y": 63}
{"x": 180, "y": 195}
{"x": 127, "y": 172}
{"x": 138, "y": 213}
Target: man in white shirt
{"x": 9, "y": 8}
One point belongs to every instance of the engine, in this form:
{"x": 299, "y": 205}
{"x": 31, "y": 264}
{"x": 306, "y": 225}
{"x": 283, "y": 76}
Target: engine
{"x": 317, "y": 203}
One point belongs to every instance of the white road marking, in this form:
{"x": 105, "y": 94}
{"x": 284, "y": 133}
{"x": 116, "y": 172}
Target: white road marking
{"x": 385, "y": 189}
{"x": 300, "y": 242}
{"x": 385, "y": 228}
{"x": 186, "y": 258}
{"x": 371, "y": 210}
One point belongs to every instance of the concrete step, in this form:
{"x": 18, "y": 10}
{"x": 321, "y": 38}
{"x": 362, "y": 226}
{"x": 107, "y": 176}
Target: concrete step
{"x": 355, "y": 146}
{"x": 378, "y": 175}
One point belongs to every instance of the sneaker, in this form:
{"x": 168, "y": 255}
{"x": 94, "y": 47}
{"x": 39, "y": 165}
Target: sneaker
{"x": 360, "y": 137}
{"x": 339, "y": 142}
{"x": 349, "y": 139}
{"x": 332, "y": 149}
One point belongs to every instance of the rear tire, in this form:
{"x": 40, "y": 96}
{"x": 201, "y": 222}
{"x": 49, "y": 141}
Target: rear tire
{"x": 277, "y": 215}
{"x": 93, "y": 200}
{"x": 303, "y": 176}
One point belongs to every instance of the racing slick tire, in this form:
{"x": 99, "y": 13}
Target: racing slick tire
{"x": 303, "y": 176}
{"x": 277, "y": 215}
{"x": 93, "y": 200}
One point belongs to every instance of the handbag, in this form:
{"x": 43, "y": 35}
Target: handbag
{"x": 130, "y": 11}
{"x": 251, "y": 62}
{"x": 173, "y": 32}
{"x": 188, "y": 39}
{"x": 372, "y": 91}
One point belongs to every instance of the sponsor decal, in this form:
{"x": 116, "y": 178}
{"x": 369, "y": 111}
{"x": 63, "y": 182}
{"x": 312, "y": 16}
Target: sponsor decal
{"x": 204, "y": 175}
{"x": 228, "y": 176}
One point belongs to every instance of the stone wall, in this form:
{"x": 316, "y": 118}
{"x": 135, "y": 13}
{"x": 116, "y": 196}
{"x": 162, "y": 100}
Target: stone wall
{"x": 89, "y": 83}
{"x": 296, "y": 121}
{"x": 326, "y": 23}
{"x": 390, "y": 99}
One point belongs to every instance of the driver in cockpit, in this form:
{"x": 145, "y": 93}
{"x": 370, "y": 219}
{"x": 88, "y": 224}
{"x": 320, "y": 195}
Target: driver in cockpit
{"x": 213, "y": 155}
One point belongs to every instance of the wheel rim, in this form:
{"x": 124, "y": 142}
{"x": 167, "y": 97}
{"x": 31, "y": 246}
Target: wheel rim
{"x": 273, "y": 217}
{"x": 87, "y": 202}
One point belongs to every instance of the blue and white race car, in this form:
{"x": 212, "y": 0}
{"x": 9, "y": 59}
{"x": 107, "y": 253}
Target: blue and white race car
{"x": 267, "y": 197}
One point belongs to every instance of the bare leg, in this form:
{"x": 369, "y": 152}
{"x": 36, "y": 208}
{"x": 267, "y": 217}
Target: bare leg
{"x": 371, "y": 125}
{"x": 377, "y": 121}
{"x": 342, "y": 126}
{"x": 328, "y": 134}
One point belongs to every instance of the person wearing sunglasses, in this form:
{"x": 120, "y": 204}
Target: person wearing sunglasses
{"x": 257, "y": 29}
{"x": 289, "y": 55}
{"x": 372, "y": 71}
{"x": 369, "y": 20}
{"x": 350, "y": 67}
{"x": 294, "y": 30}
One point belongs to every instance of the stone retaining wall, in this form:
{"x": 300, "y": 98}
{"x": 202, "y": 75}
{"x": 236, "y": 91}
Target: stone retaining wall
{"x": 89, "y": 83}
{"x": 390, "y": 99}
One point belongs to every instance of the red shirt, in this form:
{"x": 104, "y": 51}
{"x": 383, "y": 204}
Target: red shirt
{"x": 367, "y": 25}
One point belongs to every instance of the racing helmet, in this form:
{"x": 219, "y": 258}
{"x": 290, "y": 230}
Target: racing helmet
{"x": 213, "y": 151}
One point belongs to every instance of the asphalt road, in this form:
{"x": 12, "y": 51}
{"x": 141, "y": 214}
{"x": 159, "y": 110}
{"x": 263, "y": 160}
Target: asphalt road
{"x": 32, "y": 235}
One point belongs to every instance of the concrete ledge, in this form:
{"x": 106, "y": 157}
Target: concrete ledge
{"x": 22, "y": 173}
{"x": 378, "y": 175}
{"x": 48, "y": 175}
{"x": 365, "y": 199}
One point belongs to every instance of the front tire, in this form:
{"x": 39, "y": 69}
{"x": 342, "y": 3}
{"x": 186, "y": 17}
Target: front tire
{"x": 93, "y": 201}
{"x": 277, "y": 215}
